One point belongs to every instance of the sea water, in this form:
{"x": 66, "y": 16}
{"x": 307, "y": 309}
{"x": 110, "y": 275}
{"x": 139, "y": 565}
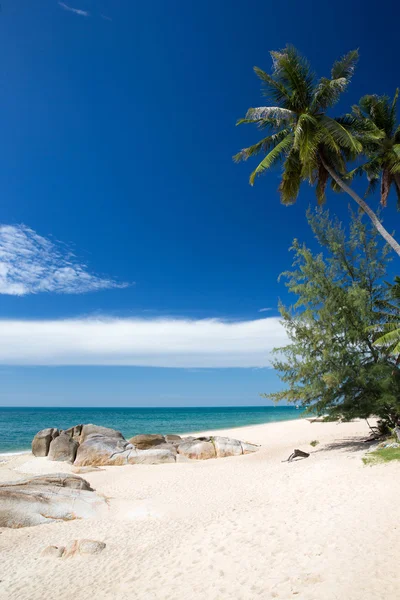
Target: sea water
{"x": 19, "y": 425}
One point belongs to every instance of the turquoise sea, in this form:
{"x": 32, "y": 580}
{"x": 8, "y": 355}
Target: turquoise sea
{"x": 19, "y": 425}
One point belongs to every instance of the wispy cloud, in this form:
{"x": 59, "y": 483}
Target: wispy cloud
{"x": 77, "y": 11}
{"x": 30, "y": 263}
{"x": 211, "y": 343}
{"x": 264, "y": 309}
{"x": 105, "y": 17}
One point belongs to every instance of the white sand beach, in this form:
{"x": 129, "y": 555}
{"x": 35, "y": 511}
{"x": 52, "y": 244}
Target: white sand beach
{"x": 326, "y": 527}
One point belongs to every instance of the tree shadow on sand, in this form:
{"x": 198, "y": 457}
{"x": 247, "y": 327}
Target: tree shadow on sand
{"x": 350, "y": 444}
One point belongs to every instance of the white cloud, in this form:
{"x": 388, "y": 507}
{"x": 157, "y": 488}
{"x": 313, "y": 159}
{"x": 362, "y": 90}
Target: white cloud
{"x": 30, "y": 263}
{"x": 156, "y": 342}
{"x": 264, "y": 309}
{"x": 77, "y": 11}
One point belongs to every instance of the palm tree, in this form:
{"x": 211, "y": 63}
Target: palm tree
{"x": 312, "y": 145}
{"x": 383, "y": 154}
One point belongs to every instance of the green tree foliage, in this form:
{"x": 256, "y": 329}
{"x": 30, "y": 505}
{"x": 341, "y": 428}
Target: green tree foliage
{"x": 311, "y": 145}
{"x": 388, "y": 330}
{"x": 331, "y": 364}
{"x": 383, "y": 152}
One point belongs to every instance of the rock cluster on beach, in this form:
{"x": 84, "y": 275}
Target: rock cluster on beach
{"x": 76, "y": 547}
{"x": 92, "y": 445}
{"x": 47, "y": 498}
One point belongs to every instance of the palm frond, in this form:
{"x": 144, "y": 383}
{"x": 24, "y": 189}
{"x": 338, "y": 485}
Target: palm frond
{"x": 272, "y": 89}
{"x": 308, "y": 137}
{"x": 291, "y": 179}
{"x": 379, "y": 110}
{"x": 361, "y": 126}
{"x": 393, "y": 108}
{"x": 262, "y": 146}
{"x": 372, "y": 185}
{"x": 390, "y": 338}
{"x": 275, "y": 114}
{"x": 341, "y": 134}
{"x": 272, "y": 157}
{"x": 304, "y": 132}
{"x": 327, "y": 92}
{"x": 372, "y": 169}
{"x": 345, "y": 66}
{"x": 396, "y": 179}
{"x": 293, "y": 72}
{"x": 395, "y": 159}
{"x": 271, "y": 123}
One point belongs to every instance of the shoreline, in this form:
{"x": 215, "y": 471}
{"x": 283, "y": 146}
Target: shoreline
{"x": 16, "y": 453}
{"x": 187, "y": 433}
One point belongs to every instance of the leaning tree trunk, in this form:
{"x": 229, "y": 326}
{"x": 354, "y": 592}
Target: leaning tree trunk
{"x": 364, "y": 206}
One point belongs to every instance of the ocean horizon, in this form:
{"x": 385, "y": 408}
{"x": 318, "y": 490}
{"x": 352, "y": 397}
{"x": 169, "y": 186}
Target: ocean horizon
{"x": 18, "y": 425}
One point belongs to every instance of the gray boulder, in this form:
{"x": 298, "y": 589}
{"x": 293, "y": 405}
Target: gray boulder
{"x": 152, "y": 456}
{"x": 41, "y": 441}
{"x": 83, "y": 547}
{"x": 53, "y": 551}
{"x": 249, "y": 448}
{"x": 147, "y": 440}
{"x": 89, "y": 430}
{"x": 90, "y": 546}
{"x": 91, "y": 446}
{"x": 225, "y": 446}
{"x": 63, "y": 448}
{"x": 74, "y": 432}
{"x": 44, "y": 499}
{"x": 55, "y": 480}
{"x": 197, "y": 449}
{"x": 99, "y": 450}
{"x": 173, "y": 438}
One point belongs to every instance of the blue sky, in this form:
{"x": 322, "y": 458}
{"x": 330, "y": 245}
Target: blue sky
{"x": 117, "y": 182}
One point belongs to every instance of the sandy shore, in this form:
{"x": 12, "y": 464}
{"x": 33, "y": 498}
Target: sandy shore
{"x": 235, "y": 528}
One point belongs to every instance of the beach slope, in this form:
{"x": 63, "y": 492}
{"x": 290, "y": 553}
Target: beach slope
{"x": 244, "y": 527}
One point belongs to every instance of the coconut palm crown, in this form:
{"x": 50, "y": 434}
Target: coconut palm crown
{"x": 313, "y": 146}
{"x": 300, "y": 130}
{"x": 383, "y": 154}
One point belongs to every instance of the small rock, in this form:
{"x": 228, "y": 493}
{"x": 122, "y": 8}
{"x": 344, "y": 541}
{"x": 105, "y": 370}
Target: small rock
{"x": 91, "y": 547}
{"x": 53, "y": 551}
{"x": 83, "y": 547}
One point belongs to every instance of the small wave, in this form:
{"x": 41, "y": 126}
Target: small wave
{"x": 14, "y": 453}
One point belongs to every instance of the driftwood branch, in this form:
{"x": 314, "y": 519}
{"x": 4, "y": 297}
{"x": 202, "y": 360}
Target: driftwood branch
{"x": 297, "y": 454}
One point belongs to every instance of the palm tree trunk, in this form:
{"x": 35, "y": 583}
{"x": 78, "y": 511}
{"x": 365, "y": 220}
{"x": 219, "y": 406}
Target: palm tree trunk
{"x": 364, "y": 206}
